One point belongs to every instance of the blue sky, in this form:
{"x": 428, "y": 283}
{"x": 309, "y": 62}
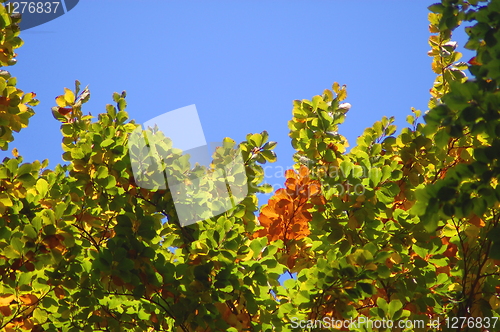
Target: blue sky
{"x": 242, "y": 63}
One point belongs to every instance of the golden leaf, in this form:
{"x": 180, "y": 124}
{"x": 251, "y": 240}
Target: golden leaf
{"x": 6, "y": 299}
{"x": 28, "y": 299}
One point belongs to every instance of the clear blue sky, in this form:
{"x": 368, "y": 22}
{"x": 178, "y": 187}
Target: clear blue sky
{"x": 241, "y": 62}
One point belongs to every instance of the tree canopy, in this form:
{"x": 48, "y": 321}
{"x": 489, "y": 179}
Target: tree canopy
{"x": 404, "y": 226}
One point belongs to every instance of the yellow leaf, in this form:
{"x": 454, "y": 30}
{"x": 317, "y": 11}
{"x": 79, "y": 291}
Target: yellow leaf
{"x": 371, "y": 267}
{"x": 328, "y": 94}
{"x": 349, "y": 285}
{"x": 6, "y": 299}
{"x": 336, "y": 87}
{"x": 395, "y": 258}
{"x": 60, "y": 101}
{"x": 5, "y": 200}
{"x": 449, "y": 230}
{"x": 69, "y": 96}
{"x": 455, "y": 287}
{"x": 483, "y": 138}
{"x": 201, "y": 247}
{"x": 433, "y": 28}
{"x": 436, "y": 67}
{"x": 246, "y": 257}
{"x": 22, "y": 108}
{"x": 342, "y": 94}
{"x": 15, "y": 152}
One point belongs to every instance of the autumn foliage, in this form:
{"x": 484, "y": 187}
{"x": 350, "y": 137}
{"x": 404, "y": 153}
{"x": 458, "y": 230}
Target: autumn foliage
{"x": 286, "y": 215}
{"x": 402, "y": 227}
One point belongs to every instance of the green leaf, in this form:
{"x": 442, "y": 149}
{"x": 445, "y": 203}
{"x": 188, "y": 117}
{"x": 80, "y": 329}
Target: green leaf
{"x": 269, "y": 145}
{"x": 446, "y": 193}
{"x": 495, "y": 250}
{"x": 11, "y": 253}
{"x": 436, "y": 8}
{"x": 375, "y": 176}
{"x": 17, "y": 244}
{"x": 269, "y": 155}
{"x": 102, "y": 172}
{"x": 122, "y": 116}
{"x": 107, "y": 142}
{"x": 27, "y": 179}
{"x": 5, "y": 199}
{"x": 430, "y": 221}
{"x": 366, "y": 287}
{"x": 255, "y": 139}
{"x": 122, "y": 104}
{"x": 111, "y": 182}
{"x": 30, "y": 231}
{"x": 42, "y": 186}
{"x": 383, "y": 271}
{"x": 394, "y": 306}
{"x": 257, "y": 245}
{"x": 382, "y": 304}
{"x": 24, "y": 169}
{"x": 67, "y": 129}
{"x": 77, "y": 153}
{"x": 346, "y": 167}
{"x": 111, "y": 110}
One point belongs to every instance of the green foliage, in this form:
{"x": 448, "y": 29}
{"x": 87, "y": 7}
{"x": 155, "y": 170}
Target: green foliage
{"x": 404, "y": 226}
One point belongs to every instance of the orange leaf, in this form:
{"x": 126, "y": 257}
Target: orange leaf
{"x": 433, "y": 28}
{"x": 285, "y": 216}
{"x": 28, "y": 299}
{"x": 476, "y": 221}
{"x": 473, "y": 61}
{"x": 443, "y": 269}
